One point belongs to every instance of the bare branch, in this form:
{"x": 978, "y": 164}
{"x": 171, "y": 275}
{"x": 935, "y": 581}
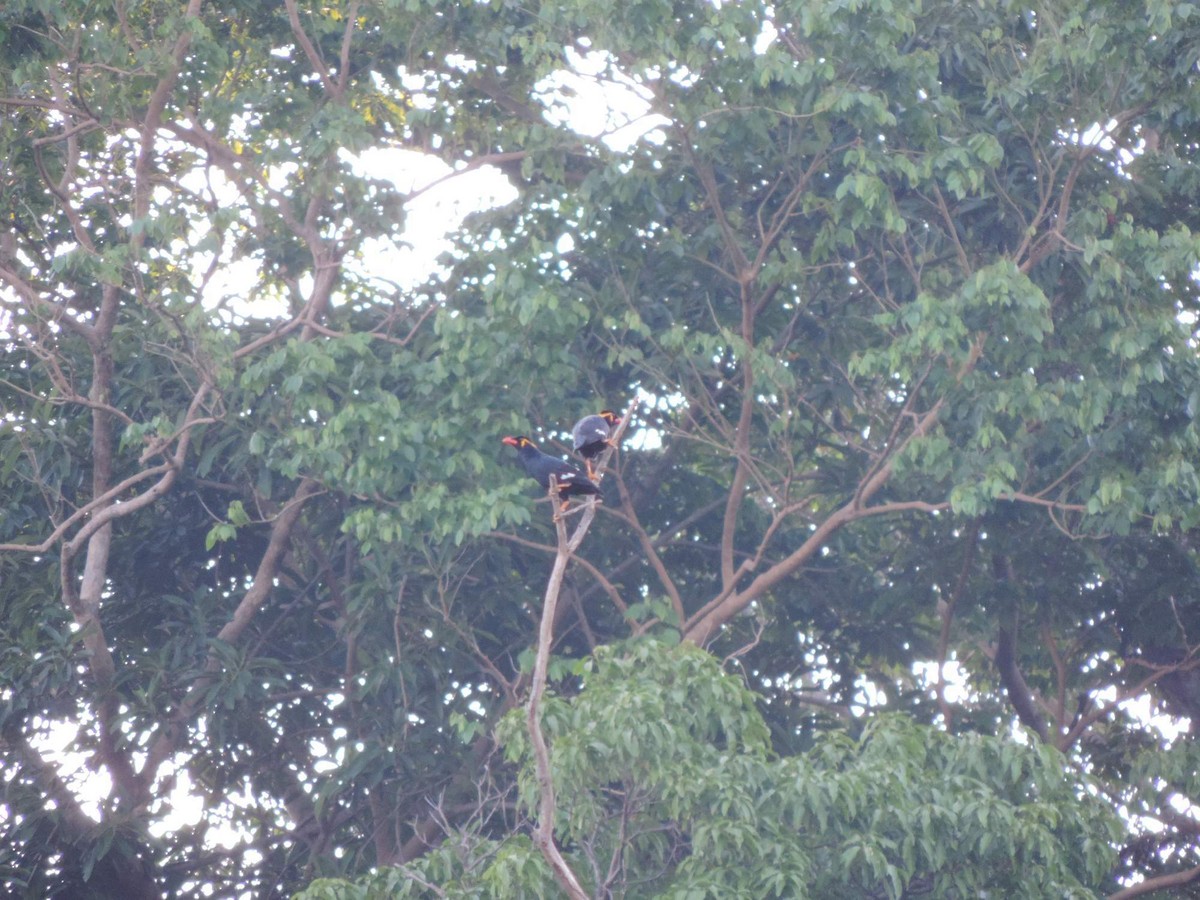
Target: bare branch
{"x": 704, "y": 172}
{"x": 268, "y": 566}
{"x": 543, "y": 832}
{"x": 1060, "y": 676}
{"x": 759, "y": 627}
{"x": 1019, "y": 694}
{"x": 34, "y": 300}
{"x": 149, "y": 130}
{"x": 1083, "y": 722}
{"x": 629, "y": 514}
{"x": 952, "y": 229}
{"x": 702, "y": 625}
{"x": 314, "y": 58}
{"x": 1159, "y": 883}
{"x": 264, "y": 579}
{"x": 84, "y": 511}
{"x": 344, "y": 56}
{"x": 103, "y": 507}
{"x": 607, "y": 586}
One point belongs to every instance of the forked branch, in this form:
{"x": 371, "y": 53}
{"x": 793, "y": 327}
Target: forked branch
{"x": 543, "y": 832}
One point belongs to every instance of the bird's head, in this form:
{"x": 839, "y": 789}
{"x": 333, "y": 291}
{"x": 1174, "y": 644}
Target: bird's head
{"x": 610, "y": 417}
{"x": 519, "y": 442}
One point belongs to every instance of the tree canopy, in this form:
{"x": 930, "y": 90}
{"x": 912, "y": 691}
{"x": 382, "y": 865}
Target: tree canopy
{"x": 896, "y": 560}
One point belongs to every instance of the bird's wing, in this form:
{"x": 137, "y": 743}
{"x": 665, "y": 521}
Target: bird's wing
{"x": 596, "y": 434}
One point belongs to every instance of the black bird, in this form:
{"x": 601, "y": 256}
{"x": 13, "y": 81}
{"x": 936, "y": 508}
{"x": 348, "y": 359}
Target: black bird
{"x": 592, "y": 433}
{"x": 540, "y": 466}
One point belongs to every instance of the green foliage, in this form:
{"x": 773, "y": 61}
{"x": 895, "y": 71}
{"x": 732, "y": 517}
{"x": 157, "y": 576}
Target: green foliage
{"x": 907, "y": 293}
{"x": 668, "y": 785}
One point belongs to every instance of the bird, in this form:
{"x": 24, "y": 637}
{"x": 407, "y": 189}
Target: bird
{"x": 540, "y": 466}
{"x": 591, "y": 434}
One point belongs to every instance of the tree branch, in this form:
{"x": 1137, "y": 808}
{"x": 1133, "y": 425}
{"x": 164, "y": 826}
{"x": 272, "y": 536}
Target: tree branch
{"x": 71, "y": 816}
{"x": 1084, "y": 722}
{"x": 314, "y": 58}
{"x": 1019, "y": 694}
{"x": 741, "y": 447}
{"x": 60, "y": 315}
{"x": 946, "y": 611}
{"x": 268, "y": 566}
{"x": 104, "y": 510}
{"x": 150, "y": 124}
{"x": 601, "y": 581}
{"x": 175, "y": 727}
{"x": 629, "y": 514}
{"x": 702, "y": 625}
{"x": 543, "y": 832}
{"x": 1159, "y": 883}
{"x": 344, "y": 56}
{"x": 1060, "y": 677}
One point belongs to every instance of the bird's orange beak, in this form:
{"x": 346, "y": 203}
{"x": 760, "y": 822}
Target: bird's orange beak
{"x": 511, "y": 441}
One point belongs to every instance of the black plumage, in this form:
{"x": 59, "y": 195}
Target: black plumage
{"x": 592, "y": 434}
{"x": 540, "y": 466}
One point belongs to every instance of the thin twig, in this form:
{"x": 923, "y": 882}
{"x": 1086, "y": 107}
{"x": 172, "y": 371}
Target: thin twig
{"x": 605, "y": 584}
{"x": 629, "y": 514}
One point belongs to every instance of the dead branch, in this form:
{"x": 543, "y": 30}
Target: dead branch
{"x": 543, "y": 832}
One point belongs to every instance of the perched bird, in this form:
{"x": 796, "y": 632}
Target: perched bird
{"x": 592, "y": 435}
{"x": 540, "y": 466}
